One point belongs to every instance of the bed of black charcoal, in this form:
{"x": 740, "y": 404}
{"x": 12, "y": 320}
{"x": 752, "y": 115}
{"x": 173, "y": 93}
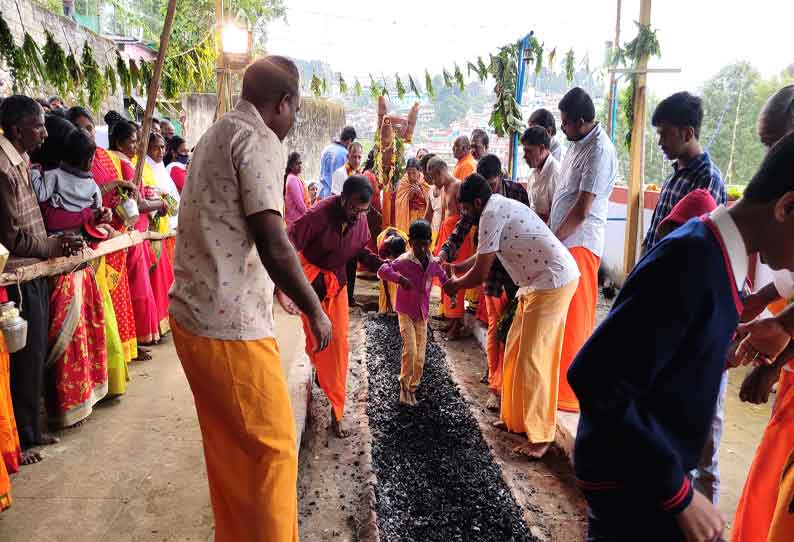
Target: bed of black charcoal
{"x": 437, "y": 480}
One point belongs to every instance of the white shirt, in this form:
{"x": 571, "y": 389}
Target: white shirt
{"x": 166, "y": 184}
{"x": 590, "y": 165}
{"x": 734, "y": 244}
{"x": 542, "y": 186}
{"x": 102, "y": 137}
{"x": 338, "y": 180}
{"x": 528, "y": 250}
{"x": 784, "y": 283}
{"x": 555, "y": 148}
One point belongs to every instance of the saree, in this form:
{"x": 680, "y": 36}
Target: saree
{"x": 118, "y": 374}
{"x": 144, "y": 306}
{"x": 409, "y": 206}
{"x": 78, "y": 358}
{"x": 10, "y": 449}
{"x": 107, "y": 168}
{"x": 162, "y": 269}
{"x": 387, "y": 291}
{"x": 456, "y": 309}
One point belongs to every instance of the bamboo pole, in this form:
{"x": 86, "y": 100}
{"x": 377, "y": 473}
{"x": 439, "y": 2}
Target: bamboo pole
{"x": 612, "y": 75}
{"x": 58, "y": 266}
{"x": 634, "y": 206}
{"x": 154, "y": 89}
{"x": 222, "y": 75}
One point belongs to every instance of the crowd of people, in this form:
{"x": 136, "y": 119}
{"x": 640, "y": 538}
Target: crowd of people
{"x": 649, "y": 382}
{"x": 63, "y": 191}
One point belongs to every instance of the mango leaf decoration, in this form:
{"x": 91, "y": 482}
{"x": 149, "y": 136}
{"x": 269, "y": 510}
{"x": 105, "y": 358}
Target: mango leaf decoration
{"x": 414, "y": 88}
{"x": 429, "y": 85}
{"x": 459, "y": 78}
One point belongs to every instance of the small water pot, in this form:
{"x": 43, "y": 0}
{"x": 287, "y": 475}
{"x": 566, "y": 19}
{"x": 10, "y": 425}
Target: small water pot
{"x": 14, "y": 327}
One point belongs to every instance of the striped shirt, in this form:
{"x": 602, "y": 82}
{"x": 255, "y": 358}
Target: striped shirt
{"x": 700, "y": 172}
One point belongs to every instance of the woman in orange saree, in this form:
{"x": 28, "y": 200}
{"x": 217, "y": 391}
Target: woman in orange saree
{"x": 410, "y": 202}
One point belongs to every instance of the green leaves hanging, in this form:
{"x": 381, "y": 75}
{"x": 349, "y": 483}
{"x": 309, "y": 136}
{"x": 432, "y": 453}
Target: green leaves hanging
{"x": 125, "y": 77}
{"x": 12, "y": 55}
{"x": 147, "y": 74}
{"x": 506, "y": 116}
{"x": 75, "y": 71}
{"x": 94, "y": 79}
{"x": 429, "y": 85}
{"x": 646, "y": 43}
{"x": 110, "y": 77}
{"x": 384, "y": 89}
{"x": 570, "y": 66}
{"x": 400, "y": 87}
{"x": 55, "y": 64}
{"x": 482, "y": 69}
{"x": 32, "y": 55}
{"x": 414, "y": 88}
{"x": 538, "y": 58}
{"x": 459, "y": 78}
{"x": 447, "y": 78}
{"x": 357, "y": 88}
{"x": 342, "y": 85}
{"x": 374, "y": 90}
{"x": 552, "y": 58}
{"x": 325, "y": 86}
{"x": 316, "y": 85}
{"x": 135, "y": 74}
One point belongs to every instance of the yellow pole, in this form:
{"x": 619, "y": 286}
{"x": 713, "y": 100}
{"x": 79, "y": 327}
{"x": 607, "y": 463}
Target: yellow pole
{"x": 221, "y": 75}
{"x": 635, "y": 205}
{"x": 154, "y": 89}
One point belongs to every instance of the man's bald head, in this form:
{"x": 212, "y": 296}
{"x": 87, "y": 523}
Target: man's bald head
{"x": 461, "y": 147}
{"x": 436, "y": 170}
{"x": 272, "y": 86}
{"x": 269, "y": 79}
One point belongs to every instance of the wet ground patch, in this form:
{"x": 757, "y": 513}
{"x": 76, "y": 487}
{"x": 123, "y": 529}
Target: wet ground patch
{"x": 436, "y": 478}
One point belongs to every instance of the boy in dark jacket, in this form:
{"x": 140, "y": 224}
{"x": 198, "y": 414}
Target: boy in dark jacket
{"x": 649, "y": 377}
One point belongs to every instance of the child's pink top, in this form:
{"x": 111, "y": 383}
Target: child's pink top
{"x": 414, "y": 303}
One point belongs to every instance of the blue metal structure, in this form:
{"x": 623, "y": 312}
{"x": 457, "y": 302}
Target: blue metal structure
{"x": 522, "y": 73}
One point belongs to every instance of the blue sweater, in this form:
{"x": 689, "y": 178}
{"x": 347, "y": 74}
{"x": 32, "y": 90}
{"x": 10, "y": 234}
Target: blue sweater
{"x": 649, "y": 377}
{"x": 333, "y": 157}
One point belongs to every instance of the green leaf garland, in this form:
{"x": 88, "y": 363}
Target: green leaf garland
{"x": 94, "y": 79}
{"x": 33, "y": 58}
{"x": 459, "y": 78}
{"x": 374, "y": 90}
{"x": 125, "y": 78}
{"x": 429, "y": 85}
{"x": 413, "y": 87}
{"x": 55, "y": 64}
{"x": 316, "y": 85}
{"x": 357, "y": 88}
{"x": 570, "y": 66}
{"x": 342, "y": 85}
{"x": 400, "y": 87}
{"x": 447, "y": 78}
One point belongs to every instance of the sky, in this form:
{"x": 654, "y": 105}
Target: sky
{"x": 358, "y": 37}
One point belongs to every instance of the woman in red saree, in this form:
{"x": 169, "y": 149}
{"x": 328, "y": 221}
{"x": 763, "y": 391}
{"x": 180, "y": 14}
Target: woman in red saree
{"x": 123, "y": 145}
{"x": 112, "y": 269}
{"x": 76, "y": 365}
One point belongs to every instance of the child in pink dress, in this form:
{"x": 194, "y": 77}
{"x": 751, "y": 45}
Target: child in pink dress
{"x": 414, "y": 272}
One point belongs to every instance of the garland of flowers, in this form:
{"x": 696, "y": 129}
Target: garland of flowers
{"x": 396, "y": 165}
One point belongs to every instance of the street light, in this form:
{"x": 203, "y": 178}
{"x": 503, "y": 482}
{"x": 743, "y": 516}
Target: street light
{"x": 236, "y": 42}
{"x": 236, "y": 54}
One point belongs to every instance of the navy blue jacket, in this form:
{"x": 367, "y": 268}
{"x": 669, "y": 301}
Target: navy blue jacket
{"x": 649, "y": 377}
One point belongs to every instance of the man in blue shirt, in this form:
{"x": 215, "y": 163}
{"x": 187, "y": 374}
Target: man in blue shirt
{"x": 333, "y": 157}
{"x": 677, "y": 120}
{"x": 649, "y": 377}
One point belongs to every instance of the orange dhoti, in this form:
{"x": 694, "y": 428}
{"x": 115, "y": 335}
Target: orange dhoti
{"x": 331, "y": 363}
{"x": 495, "y": 349}
{"x": 532, "y": 363}
{"x": 248, "y": 432}
{"x": 758, "y": 501}
{"x": 464, "y": 252}
{"x": 580, "y": 323}
{"x": 782, "y": 529}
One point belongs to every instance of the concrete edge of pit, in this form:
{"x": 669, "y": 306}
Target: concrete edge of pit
{"x": 367, "y": 528}
{"x": 567, "y": 422}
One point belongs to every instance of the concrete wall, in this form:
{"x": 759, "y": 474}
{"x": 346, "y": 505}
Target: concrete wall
{"x": 36, "y": 20}
{"x": 319, "y": 122}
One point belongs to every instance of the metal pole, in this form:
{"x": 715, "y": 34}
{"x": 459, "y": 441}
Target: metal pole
{"x": 634, "y": 206}
{"x": 222, "y": 76}
{"x": 522, "y": 70}
{"x": 613, "y": 84}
